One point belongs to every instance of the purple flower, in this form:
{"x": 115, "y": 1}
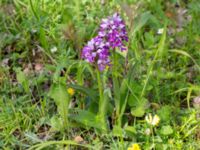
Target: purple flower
{"x": 113, "y": 30}
{"x": 112, "y": 34}
{"x": 97, "y": 50}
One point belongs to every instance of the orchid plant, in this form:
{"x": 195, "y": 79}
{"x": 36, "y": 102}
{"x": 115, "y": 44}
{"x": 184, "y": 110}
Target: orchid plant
{"x": 100, "y": 51}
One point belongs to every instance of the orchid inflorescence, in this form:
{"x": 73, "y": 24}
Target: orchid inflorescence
{"x": 112, "y": 34}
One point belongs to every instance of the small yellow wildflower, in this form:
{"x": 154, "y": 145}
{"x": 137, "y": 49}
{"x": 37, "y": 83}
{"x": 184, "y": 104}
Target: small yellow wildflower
{"x": 152, "y": 120}
{"x": 107, "y": 67}
{"x": 71, "y": 91}
{"x": 134, "y": 147}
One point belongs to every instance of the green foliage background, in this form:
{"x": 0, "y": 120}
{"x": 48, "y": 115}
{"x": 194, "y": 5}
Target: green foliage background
{"x": 158, "y": 75}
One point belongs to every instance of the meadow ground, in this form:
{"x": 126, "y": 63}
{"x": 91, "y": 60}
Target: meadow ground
{"x": 145, "y": 96}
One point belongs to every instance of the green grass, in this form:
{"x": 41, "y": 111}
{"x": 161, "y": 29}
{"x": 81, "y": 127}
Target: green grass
{"x": 158, "y": 75}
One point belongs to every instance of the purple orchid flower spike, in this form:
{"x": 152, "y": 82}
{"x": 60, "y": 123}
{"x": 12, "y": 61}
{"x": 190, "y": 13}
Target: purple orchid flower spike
{"x": 97, "y": 51}
{"x": 113, "y": 30}
{"x": 112, "y": 34}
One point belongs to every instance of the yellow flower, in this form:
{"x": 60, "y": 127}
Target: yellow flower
{"x": 134, "y": 147}
{"x": 107, "y": 67}
{"x": 71, "y": 91}
{"x": 152, "y": 120}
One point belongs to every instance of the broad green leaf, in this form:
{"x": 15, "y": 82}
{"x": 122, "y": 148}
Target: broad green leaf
{"x": 138, "y": 105}
{"x": 166, "y": 130}
{"x": 138, "y": 111}
{"x": 56, "y": 123}
{"x": 135, "y": 87}
{"x": 130, "y": 131}
{"x": 117, "y": 131}
{"x": 60, "y": 95}
{"x": 89, "y": 92}
{"x": 132, "y": 101}
{"x": 85, "y": 118}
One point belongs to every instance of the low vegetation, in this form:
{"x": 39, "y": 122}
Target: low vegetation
{"x": 97, "y": 74}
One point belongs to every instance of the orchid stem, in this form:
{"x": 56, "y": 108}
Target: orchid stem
{"x": 101, "y": 100}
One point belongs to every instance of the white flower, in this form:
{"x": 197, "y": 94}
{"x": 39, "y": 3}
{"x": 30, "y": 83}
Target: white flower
{"x": 155, "y": 120}
{"x": 148, "y": 118}
{"x": 33, "y": 30}
{"x": 160, "y": 31}
{"x": 54, "y": 49}
{"x": 147, "y": 131}
{"x": 152, "y": 120}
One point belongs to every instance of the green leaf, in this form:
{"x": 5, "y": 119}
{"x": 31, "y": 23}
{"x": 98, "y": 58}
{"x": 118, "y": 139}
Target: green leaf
{"x": 166, "y": 130}
{"x": 165, "y": 113}
{"x": 123, "y": 89}
{"x": 123, "y": 94}
{"x": 130, "y": 131}
{"x": 89, "y": 92}
{"x": 22, "y": 79}
{"x": 117, "y": 131}
{"x": 135, "y": 88}
{"x": 142, "y": 102}
{"x": 138, "y": 111}
{"x": 138, "y": 106}
{"x": 85, "y": 118}
{"x": 60, "y": 95}
{"x": 43, "y": 39}
{"x": 56, "y": 123}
